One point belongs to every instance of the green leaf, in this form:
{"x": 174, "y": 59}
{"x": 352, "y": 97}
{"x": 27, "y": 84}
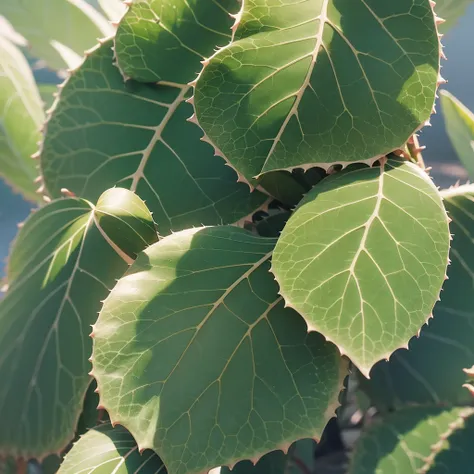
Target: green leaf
{"x": 161, "y": 40}
{"x": 58, "y": 31}
{"x": 64, "y": 261}
{"x": 320, "y": 82}
{"x": 298, "y": 460}
{"x": 195, "y": 354}
{"x": 364, "y": 257}
{"x": 455, "y": 454}
{"x": 411, "y": 441}
{"x": 107, "y": 450}
{"x": 105, "y": 132}
{"x": 445, "y": 346}
{"x": 459, "y": 122}
{"x": 21, "y": 116}
{"x": 114, "y": 9}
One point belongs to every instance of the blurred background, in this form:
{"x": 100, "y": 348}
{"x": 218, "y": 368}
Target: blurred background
{"x": 447, "y": 169}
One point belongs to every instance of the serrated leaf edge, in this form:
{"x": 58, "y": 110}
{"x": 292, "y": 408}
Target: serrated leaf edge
{"x": 437, "y": 447}
{"x": 326, "y": 166}
{"x": 329, "y": 413}
{"x": 312, "y": 328}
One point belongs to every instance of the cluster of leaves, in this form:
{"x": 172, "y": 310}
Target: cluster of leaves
{"x": 248, "y": 222}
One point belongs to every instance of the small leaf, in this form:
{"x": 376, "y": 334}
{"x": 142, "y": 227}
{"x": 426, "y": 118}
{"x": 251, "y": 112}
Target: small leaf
{"x": 62, "y": 265}
{"x": 107, "y": 450}
{"x": 364, "y": 257}
{"x": 114, "y": 9}
{"x": 21, "y": 116}
{"x": 159, "y": 40}
{"x": 460, "y": 127}
{"x": 411, "y": 441}
{"x": 196, "y": 355}
{"x": 105, "y": 132}
{"x": 58, "y": 31}
{"x": 319, "y": 82}
{"x": 445, "y": 346}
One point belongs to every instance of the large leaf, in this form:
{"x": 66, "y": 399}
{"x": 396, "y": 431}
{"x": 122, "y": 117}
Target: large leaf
{"x": 416, "y": 440}
{"x": 64, "y": 261}
{"x": 446, "y": 345}
{"x": 107, "y": 450}
{"x": 21, "y": 116}
{"x": 298, "y": 460}
{"x": 58, "y": 31}
{"x": 364, "y": 257}
{"x": 105, "y": 132}
{"x": 460, "y": 127}
{"x": 162, "y": 40}
{"x": 196, "y": 355}
{"x": 319, "y": 82}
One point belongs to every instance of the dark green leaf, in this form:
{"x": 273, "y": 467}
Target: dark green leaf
{"x": 105, "y": 132}
{"x": 162, "y": 40}
{"x": 414, "y": 441}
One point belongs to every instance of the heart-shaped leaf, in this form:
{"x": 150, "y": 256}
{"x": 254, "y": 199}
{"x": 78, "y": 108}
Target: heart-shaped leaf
{"x": 196, "y": 355}
{"x": 158, "y": 40}
{"x": 364, "y": 257}
{"x": 105, "y": 132}
{"x": 107, "y": 450}
{"x": 20, "y": 103}
{"x": 417, "y": 440}
{"x": 319, "y": 82}
{"x": 459, "y": 122}
{"x": 58, "y": 31}
{"x": 445, "y": 346}
{"x": 64, "y": 261}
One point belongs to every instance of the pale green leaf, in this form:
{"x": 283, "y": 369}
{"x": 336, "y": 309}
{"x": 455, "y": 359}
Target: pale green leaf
{"x": 114, "y": 9}
{"x": 415, "y": 440}
{"x": 64, "y": 261}
{"x": 21, "y": 116}
{"x": 58, "y": 31}
{"x": 459, "y": 122}
{"x": 196, "y": 355}
{"x": 298, "y": 460}
{"x": 105, "y": 132}
{"x": 162, "y": 40}
{"x": 319, "y": 82}
{"x": 107, "y": 450}
{"x": 445, "y": 346}
{"x": 364, "y": 257}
